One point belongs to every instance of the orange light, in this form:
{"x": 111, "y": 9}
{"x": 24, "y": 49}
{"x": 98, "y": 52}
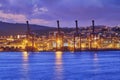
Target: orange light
{"x": 25, "y": 56}
{"x": 58, "y": 57}
{"x": 25, "y": 41}
{"x": 58, "y": 41}
{"x": 59, "y": 66}
{"x": 18, "y": 36}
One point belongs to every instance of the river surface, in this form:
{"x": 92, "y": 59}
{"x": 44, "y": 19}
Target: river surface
{"x": 103, "y": 65}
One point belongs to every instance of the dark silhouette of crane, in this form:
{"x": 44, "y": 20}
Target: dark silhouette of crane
{"x": 76, "y": 34}
{"x": 59, "y": 37}
{"x": 29, "y": 36}
{"x": 92, "y": 35}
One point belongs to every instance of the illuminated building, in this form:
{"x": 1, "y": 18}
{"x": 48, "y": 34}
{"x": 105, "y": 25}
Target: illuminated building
{"x": 83, "y": 38}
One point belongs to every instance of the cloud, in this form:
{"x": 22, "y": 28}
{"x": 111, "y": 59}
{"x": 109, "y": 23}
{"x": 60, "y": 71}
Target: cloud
{"x": 65, "y": 10}
{"x": 43, "y": 9}
{"x": 13, "y": 17}
{"x": 39, "y": 21}
{"x": 39, "y": 10}
{"x": 0, "y": 5}
{"x": 20, "y": 18}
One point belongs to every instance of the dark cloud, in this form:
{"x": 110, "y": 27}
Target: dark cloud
{"x": 66, "y": 10}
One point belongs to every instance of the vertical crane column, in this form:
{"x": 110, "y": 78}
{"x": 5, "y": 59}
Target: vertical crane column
{"x": 28, "y": 30}
{"x": 76, "y": 34}
{"x": 59, "y": 37}
{"x": 93, "y": 32}
{"x": 28, "y": 33}
{"x": 93, "y": 27}
{"x": 58, "y": 25}
{"x": 74, "y": 42}
{"x": 28, "y": 36}
{"x": 76, "y": 26}
{"x": 33, "y": 43}
{"x": 92, "y": 35}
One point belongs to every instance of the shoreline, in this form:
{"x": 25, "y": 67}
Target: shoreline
{"x": 87, "y": 50}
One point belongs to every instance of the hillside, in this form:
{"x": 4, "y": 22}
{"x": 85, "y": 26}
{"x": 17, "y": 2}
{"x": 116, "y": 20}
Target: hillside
{"x": 19, "y": 28}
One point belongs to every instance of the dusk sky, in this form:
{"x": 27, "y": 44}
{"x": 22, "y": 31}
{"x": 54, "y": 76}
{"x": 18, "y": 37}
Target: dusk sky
{"x": 46, "y": 12}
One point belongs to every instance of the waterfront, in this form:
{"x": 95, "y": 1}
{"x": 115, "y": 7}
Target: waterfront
{"x": 104, "y": 65}
{"x": 90, "y": 38}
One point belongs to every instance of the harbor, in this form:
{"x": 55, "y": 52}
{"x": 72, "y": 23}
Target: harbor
{"x": 92, "y": 38}
{"x": 59, "y": 39}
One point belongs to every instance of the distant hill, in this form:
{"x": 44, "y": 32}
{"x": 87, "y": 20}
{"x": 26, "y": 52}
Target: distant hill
{"x": 19, "y": 28}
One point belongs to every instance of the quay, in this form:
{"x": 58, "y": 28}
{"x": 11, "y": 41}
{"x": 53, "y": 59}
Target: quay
{"x": 92, "y": 38}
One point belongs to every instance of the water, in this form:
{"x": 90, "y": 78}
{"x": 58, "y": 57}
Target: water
{"x": 60, "y": 66}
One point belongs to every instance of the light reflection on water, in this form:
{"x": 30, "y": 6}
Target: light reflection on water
{"x": 95, "y": 57}
{"x": 58, "y": 66}
{"x": 25, "y": 56}
{"x": 25, "y": 65}
{"x": 96, "y": 66}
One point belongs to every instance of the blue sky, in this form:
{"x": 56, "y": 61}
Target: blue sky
{"x": 46, "y": 12}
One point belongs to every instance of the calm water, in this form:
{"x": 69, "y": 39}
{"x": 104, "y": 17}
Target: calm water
{"x": 60, "y": 66}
